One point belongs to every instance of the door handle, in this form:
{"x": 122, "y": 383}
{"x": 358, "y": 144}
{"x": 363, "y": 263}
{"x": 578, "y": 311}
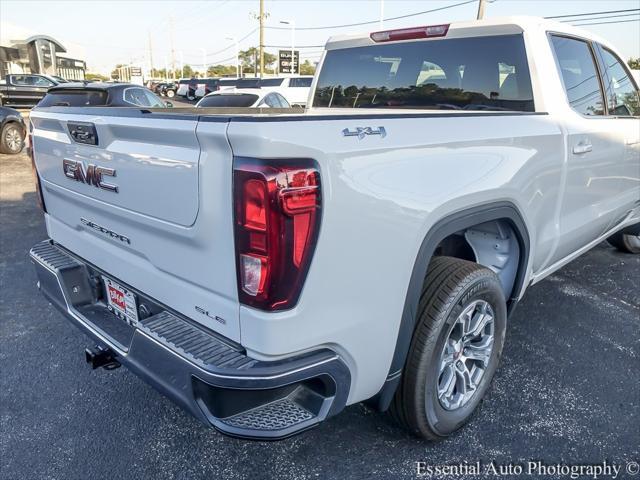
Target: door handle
{"x": 582, "y": 147}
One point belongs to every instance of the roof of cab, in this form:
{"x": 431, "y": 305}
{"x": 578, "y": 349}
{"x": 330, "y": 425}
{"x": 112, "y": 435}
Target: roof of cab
{"x": 475, "y": 28}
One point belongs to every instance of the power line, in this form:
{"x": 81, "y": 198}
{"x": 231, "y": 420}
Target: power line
{"x": 327, "y": 27}
{"x": 595, "y": 13}
{"x": 600, "y": 18}
{"x": 233, "y": 44}
{"x": 604, "y": 23}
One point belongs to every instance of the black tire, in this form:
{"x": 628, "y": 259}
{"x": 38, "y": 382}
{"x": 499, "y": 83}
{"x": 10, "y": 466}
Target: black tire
{"x": 11, "y": 138}
{"x": 625, "y": 242}
{"x": 191, "y": 96}
{"x": 451, "y": 285}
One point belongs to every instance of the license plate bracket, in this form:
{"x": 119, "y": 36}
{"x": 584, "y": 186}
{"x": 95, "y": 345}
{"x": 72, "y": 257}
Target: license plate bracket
{"x": 121, "y": 301}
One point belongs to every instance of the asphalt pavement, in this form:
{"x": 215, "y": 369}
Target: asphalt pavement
{"x": 568, "y": 389}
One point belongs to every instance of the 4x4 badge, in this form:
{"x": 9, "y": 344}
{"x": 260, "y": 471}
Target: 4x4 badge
{"x": 360, "y": 132}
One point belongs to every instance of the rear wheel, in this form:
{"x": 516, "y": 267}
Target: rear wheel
{"x": 455, "y": 349}
{"x": 625, "y": 242}
{"x": 170, "y": 93}
{"x": 11, "y": 138}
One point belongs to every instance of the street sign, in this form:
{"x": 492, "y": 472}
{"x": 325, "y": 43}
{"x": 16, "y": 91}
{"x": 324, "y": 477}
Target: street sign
{"x": 284, "y": 61}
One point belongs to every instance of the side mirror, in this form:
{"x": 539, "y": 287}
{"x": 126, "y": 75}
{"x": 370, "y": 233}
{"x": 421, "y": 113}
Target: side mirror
{"x": 168, "y": 104}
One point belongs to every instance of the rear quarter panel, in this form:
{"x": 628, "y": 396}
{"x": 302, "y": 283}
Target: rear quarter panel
{"x": 380, "y": 198}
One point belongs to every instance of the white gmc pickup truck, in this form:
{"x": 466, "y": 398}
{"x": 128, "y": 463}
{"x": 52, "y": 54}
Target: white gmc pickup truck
{"x": 264, "y": 269}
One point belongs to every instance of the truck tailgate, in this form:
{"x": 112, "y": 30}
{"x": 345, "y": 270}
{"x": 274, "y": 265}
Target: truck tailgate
{"x": 168, "y": 229}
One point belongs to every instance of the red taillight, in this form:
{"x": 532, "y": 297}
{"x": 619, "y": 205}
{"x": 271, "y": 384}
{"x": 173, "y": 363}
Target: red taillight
{"x": 413, "y": 33}
{"x": 34, "y": 169}
{"x": 277, "y": 217}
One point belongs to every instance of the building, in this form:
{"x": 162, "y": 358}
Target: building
{"x": 39, "y": 54}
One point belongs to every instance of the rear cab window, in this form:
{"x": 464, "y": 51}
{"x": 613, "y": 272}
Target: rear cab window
{"x": 475, "y": 73}
{"x": 74, "y": 98}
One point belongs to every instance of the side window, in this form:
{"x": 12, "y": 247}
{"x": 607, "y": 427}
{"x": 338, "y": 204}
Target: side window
{"x": 136, "y": 96}
{"x": 300, "y": 82}
{"x": 42, "y": 82}
{"x": 579, "y": 75}
{"x": 272, "y": 101}
{"x": 19, "y": 80}
{"x": 154, "y": 101}
{"x": 283, "y": 101}
{"x": 622, "y": 96}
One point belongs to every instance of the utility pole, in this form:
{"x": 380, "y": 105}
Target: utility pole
{"x": 150, "y": 56}
{"x": 481, "y": 5}
{"x": 173, "y": 53}
{"x": 262, "y": 38}
{"x": 381, "y": 14}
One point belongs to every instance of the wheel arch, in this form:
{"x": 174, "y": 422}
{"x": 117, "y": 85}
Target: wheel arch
{"x": 442, "y": 229}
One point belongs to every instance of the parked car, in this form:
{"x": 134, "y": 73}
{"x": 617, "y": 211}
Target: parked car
{"x": 24, "y": 90}
{"x": 102, "y": 95}
{"x": 294, "y": 89}
{"x": 168, "y": 89}
{"x": 12, "y": 131}
{"x": 266, "y": 270}
{"x": 207, "y": 85}
{"x": 183, "y": 86}
{"x": 247, "y": 97}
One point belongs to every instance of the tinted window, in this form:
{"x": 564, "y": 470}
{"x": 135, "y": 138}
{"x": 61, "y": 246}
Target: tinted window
{"x": 579, "y": 75}
{"x": 249, "y": 83}
{"x": 153, "y": 100}
{"x": 481, "y": 73}
{"x": 136, "y": 96}
{"x": 184, "y": 81}
{"x": 229, "y": 100}
{"x": 271, "y": 101}
{"x": 622, "y": 96}
{"x": 42, "y": 82}
{"x": 228, "y": 83}
{"x": 271, "y": 82}
{"x": 300, "y": 82}
{"x": 81, "y": 98}
{"x": 31, "y": 81}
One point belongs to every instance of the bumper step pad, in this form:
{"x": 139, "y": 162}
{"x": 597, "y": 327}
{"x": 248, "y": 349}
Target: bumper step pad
{"x": 199, "y": 346}
{"x": 283, "y": 413}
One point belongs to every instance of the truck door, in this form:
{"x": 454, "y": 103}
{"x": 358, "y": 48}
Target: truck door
{"x": 592, "y": 196}
{"x": 26, "y": 90}
{"x": 623, "y": 104}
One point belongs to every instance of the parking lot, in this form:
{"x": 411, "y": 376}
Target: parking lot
{"x": 568, "y": 389}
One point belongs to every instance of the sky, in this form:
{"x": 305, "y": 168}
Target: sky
{"x": 104, "y": 33}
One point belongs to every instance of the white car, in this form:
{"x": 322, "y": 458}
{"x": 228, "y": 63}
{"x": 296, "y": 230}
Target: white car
{"x": 209, "y": 85}
{"x": 265, "y": 269}
{"x": 294, "y": 89}
{"x": 244, "y": 97}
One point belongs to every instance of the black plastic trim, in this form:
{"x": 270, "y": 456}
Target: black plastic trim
{"x": 443, "y": 228}
{"x": 172, "y": 367}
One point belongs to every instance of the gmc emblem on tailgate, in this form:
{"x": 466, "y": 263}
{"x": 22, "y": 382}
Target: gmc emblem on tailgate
{"x": 92, "y": 175}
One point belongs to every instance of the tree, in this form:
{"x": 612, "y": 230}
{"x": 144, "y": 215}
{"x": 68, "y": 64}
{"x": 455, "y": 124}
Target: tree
{"x": 307, "y": 68}
{"x": 634, "y": 63}
{"x": 115, "y": 74}
{"x": 221, "y": 70}
{"x": 95, "y": 76}
{"x": 250, "y": 60}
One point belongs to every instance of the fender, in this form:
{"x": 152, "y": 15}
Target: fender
{"x": 442, "y": 229}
